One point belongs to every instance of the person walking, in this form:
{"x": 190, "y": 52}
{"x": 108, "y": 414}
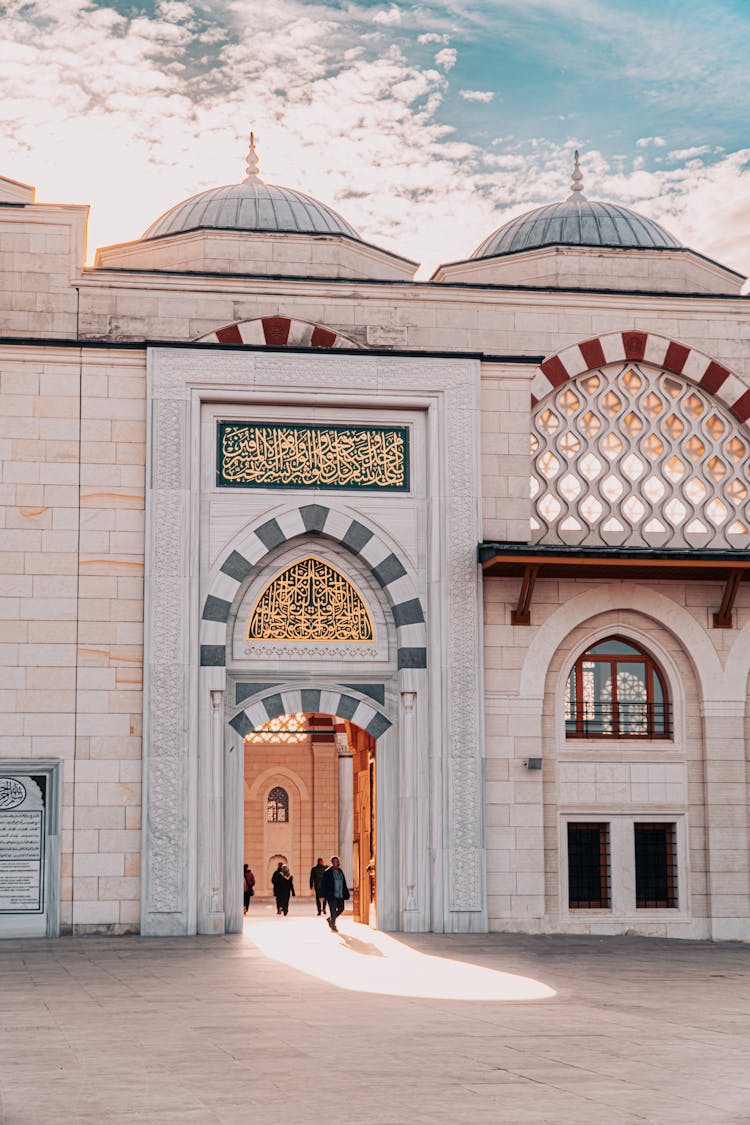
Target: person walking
{"x": 284, "y": 889}
{"x": 275, "y": 879}
{"x": 248, "y": 890}
{"x": 316, "y": 877}
{"x": 334, "y": 890}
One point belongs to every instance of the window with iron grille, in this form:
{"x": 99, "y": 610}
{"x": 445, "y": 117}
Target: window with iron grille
{"x": 588, "y": 867}
{"x": 655, "y": 866}
{"x": 616, "y": 690}
{"x": 277, "y": 805}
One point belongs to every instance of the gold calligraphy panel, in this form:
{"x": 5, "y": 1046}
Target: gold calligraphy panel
{"x": 310, "y": 601}
{"x": 280, "y": 455}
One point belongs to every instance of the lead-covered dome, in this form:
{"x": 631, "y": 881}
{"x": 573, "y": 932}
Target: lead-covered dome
{"x": 251, "y": 206}
{"x": 577, "y": 221}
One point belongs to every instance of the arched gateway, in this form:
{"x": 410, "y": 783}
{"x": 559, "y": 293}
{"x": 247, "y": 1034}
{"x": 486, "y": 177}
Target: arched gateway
{"x": 297, "y": 510}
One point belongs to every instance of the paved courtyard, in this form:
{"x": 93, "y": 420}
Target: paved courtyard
{"x": 223, "y": 1031}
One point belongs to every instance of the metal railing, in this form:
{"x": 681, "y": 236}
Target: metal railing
{"x": 625, "y": 719}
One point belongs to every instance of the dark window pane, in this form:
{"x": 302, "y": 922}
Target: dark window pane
{"x": 597, "y": 697}
{"x": 614, "y": 647}
{"x": 655, "y": 866}
{"x": 632, "y": 698}
{"x": 570, "y": 705}
{"x": 588, "y": 866}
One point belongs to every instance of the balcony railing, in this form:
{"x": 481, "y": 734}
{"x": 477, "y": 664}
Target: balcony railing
{"x": 624, "y": 719}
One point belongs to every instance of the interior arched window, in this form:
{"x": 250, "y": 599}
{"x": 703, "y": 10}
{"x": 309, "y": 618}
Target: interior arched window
{"x": 616, "y": 690}
{"x": 277, "y": 805}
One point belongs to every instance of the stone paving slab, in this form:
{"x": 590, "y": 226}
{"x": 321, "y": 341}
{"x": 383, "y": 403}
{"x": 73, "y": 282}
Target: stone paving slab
{"x": 212, "y": 1031}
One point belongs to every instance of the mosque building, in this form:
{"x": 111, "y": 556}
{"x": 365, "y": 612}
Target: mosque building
{"x": 300, "y": 555}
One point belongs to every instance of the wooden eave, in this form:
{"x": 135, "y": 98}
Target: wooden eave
{"x": 531, "y": 563}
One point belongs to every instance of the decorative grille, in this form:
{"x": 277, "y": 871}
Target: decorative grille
{"x": 655, "y": 866}
{"x": 588, "y": 867}
{"x": 626, "y": 456}
{"x": 284, "y": 728}
{"x": 310, "y": 601}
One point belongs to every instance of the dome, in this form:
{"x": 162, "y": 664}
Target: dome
{"x": 577, "y": 221}
{"x": 251, "y": 206}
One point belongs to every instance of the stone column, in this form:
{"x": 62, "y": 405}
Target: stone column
{"x": 408, "y": 803}
{"x": 211, "y": 844}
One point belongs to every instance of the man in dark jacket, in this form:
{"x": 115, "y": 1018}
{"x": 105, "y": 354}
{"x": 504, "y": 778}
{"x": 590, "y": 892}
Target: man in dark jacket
{"x": 316, "y": 877}
{"x": 334, "y": 890}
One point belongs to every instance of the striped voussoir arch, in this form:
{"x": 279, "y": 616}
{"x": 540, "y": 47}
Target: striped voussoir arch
{"x": 315, "y": 519}
{"x": 278, "y": 331}
{"x": 661, "y": 352}
{"x": 357, "y": 709}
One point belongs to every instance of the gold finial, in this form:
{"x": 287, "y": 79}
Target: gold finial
{"x": 251, "y": 161}
{"x": 577, "y": 184}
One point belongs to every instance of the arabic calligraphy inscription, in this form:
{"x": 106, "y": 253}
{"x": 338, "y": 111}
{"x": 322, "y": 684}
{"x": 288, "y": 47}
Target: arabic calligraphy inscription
{"x": 281, "y": 455}
{"x": 310, "y": 601}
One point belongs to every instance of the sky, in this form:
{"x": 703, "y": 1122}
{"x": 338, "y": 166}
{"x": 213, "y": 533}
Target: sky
{"x": 426, "y": 125}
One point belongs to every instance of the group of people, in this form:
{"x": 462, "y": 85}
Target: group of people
{"x": 328, "y": 883}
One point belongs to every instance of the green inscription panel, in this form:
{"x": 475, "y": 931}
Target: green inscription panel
{"x": 285, "y": 455}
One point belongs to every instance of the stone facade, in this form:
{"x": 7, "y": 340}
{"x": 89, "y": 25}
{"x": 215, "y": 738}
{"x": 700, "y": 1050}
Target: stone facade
{"x": 107, "y": 398}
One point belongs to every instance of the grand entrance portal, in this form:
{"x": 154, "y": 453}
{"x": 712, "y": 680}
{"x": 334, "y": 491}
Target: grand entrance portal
{"x": 296, "y": 564}
{"x": 310, "y": 791}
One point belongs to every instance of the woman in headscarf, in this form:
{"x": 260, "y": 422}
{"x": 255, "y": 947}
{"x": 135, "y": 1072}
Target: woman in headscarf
{"x": 284, "y": 889}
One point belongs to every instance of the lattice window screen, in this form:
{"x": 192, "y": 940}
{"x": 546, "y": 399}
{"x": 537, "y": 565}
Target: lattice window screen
{"x": 628, "y": 456}
{"x": 284, "y": 728}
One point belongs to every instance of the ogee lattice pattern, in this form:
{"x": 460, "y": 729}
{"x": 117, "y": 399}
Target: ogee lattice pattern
{"x": 628, "y": 455}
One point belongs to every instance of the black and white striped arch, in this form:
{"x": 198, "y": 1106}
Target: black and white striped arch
{"x": 315, "y": 519}
{"x": 362, "y": 712}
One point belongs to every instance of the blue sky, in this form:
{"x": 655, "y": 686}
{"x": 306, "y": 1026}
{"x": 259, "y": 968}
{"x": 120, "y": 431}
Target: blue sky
{"x": 426, "y": 125}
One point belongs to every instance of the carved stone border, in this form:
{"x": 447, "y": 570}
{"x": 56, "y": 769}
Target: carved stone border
{"x": 448, "y": 389}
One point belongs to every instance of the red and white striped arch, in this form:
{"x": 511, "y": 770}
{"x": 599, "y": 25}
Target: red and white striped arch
{"x": 617, "y": 347}
{"x": 278, "y": 331}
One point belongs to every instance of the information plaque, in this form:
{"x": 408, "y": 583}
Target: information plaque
{"x": 21, "y": 846}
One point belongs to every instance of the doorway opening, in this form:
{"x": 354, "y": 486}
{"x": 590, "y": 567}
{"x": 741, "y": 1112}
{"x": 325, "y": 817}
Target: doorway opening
{"x": 310, "y": 791}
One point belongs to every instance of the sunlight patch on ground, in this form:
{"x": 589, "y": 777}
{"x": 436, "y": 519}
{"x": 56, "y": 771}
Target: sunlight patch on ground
{"x": 365, "y": 960}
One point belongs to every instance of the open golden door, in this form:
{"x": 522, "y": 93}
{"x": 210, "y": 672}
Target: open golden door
{"x": 365, "y": 841}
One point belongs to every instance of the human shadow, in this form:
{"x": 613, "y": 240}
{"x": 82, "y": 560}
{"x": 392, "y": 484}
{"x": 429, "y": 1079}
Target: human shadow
{"x": 366, "y": 948}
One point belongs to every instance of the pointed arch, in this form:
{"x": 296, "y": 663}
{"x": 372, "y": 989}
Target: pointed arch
{"x": 650, "y": 348}
{"x": 617, "y": 596}
{"x": 241, "y": 560}
{"x": 278, "y": 331}
{"x": 274, "y": 700}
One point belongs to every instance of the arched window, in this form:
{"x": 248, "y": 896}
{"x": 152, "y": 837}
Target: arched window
{"x": 615, "y": 690}
{"x": 277, "y": 805}
{"x": 637, "y": 457}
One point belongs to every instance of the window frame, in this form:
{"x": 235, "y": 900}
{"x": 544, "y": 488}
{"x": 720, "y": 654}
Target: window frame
{"x": 641, "y": 656}
{"x": 276, "y": 803}
{"x": 671, "y": 874}
{"x": 605, "y": 865}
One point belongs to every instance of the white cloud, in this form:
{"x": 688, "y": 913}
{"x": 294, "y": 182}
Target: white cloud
{"x": 432, "y": 37}
{"x": 689, "y": 153}
{"x": 446, "y": 58}
{"x": 134, "y": 114}
{"x": 476, "y": 95}
{"x": 388, "y": 18}
{"x": 645, "y": 142}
